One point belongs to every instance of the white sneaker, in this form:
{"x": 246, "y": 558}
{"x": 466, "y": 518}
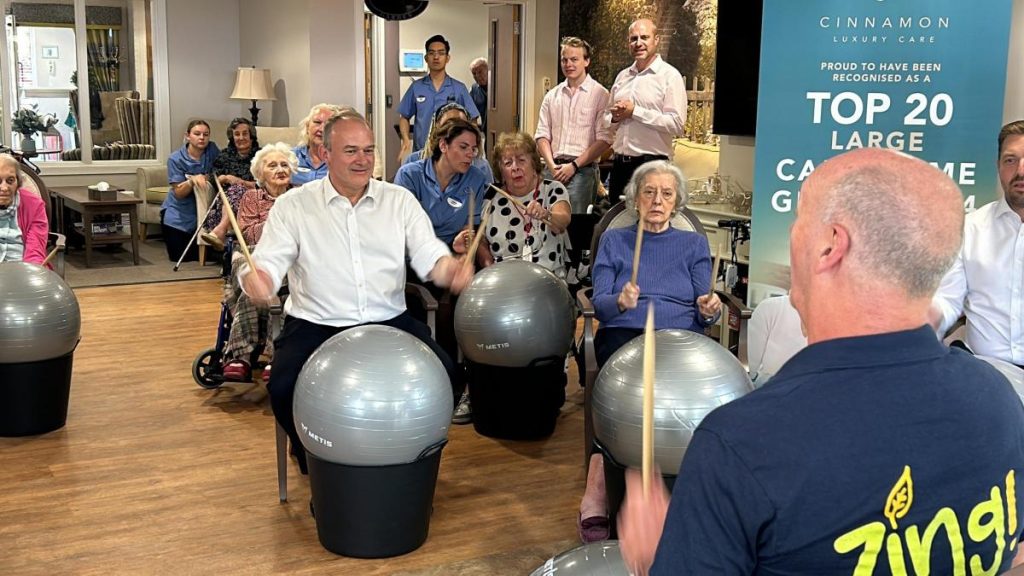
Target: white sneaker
{"x": 464, "y": 411}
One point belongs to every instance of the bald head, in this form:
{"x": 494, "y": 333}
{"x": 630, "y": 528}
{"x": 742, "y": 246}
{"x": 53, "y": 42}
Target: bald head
{"x": 904, "y": 217}
{"x": 875, "y": 232}
{"x": 643, "y": 42}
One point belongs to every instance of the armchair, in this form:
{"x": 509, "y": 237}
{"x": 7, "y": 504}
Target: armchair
{"x": 152, "y": 186}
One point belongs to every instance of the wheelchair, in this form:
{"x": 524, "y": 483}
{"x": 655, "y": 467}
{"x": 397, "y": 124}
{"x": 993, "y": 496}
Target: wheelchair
{"x": 208, "y": 366}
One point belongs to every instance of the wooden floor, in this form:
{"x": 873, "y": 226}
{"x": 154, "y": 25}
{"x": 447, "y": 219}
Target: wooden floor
{"x": 154, "y": 475}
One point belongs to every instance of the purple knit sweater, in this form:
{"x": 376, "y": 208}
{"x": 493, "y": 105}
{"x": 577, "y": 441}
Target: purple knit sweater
{"x": 675, "y": 268}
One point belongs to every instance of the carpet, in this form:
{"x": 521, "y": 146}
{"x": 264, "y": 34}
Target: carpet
{"x": 112, "y": 265}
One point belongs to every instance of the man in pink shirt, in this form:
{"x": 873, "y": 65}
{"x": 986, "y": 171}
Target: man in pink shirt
{"x": 648, "y": 107}
{"x": 572, "y": 132}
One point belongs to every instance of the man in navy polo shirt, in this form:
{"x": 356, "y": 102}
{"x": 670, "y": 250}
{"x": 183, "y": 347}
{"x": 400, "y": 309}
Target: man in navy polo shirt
{"x": 428, "y": 94}
{"x": 876, "y": 449}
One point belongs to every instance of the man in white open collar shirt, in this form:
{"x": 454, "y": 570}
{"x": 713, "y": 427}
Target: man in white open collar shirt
{"x": 987, "y": 279}
{"x": 343, "y": 242}
{"x": 648, "y": 107}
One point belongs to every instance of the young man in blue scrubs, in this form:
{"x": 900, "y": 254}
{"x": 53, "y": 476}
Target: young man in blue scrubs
{"x": 428, "y": 94}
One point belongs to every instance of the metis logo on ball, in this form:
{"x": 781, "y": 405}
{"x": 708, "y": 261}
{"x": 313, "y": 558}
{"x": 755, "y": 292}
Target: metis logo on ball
{"x": 498, "y": 346}
{"x": 316, "y": 437}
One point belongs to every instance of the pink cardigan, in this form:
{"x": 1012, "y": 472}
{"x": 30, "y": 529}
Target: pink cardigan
{"x": 35, "y": 228}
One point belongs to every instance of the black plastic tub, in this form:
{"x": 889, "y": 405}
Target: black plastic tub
{"x": 34, "y": 396}
{"x": 517, "y": 403}
{"x": 374, "y": 511}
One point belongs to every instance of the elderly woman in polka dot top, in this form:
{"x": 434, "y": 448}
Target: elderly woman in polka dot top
{"x": 534, "y": 228}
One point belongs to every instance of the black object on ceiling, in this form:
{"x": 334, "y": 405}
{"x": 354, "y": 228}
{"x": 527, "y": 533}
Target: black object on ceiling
{"x": 396, "y": 9}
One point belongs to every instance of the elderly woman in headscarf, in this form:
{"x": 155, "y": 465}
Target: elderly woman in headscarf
{"x": 23, "y": 225}
{"x": 232, "y": 167}
{"x": 674, "y": 275}
{"x": 272, "y": 169}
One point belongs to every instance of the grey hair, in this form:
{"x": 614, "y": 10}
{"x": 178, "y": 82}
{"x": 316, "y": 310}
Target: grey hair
{"x": 657, "y": 167}
{"x": 304, "y": 123}
{"x": 477, "y": 61}
{"x": 8, "y": 160}
{"x": 874, "y": 202}
{"x": 256, "y": 167}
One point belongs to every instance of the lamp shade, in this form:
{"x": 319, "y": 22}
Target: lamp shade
{"x": 253, "y": 84}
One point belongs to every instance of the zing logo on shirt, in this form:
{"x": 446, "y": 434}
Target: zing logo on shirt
{"x": 993, "y": 519}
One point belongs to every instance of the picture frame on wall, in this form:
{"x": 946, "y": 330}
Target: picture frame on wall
{"x": 50, "y": 52}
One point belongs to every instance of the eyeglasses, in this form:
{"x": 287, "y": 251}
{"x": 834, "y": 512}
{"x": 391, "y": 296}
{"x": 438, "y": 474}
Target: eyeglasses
{"x": 433, "y": 53}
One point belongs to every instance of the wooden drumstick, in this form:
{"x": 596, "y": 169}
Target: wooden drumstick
{"x": 472, "y": 200}
{"x": 636, "y": 249}
{"x": 517, "y": 202}
{"x": 234, "y": 224}
{"x": 714, "y": 270}
{"x": 49, "y": 257}
{"x": 647, "y": 465}
{"x": 471, "y": 253}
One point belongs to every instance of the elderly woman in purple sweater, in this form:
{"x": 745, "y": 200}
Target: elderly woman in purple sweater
{"x": 675, "y": 274}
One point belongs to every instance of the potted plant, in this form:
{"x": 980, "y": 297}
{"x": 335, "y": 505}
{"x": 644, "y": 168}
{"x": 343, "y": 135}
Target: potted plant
{"x": 28, "y": 121}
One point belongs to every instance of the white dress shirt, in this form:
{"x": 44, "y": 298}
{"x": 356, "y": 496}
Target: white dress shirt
{"x": 985, "y": 283}
{"x": 573, "y": 120}
{"x": 659, "y": 99}
{"x": 774, "y": 335}
{"x": 345, "y": 263}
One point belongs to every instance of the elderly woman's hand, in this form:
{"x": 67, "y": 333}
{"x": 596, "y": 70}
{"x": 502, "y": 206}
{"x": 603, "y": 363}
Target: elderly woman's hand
{"x": 709, "y": 305}
{"x": 641, "y": 521}
{"x": 629, "y": 297}
{"x": 536, "y": 211}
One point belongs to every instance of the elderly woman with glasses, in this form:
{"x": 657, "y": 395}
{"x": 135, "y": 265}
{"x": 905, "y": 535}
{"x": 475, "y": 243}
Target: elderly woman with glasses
{"x": 532, "y": 226}
{"x": 674, "y": 275}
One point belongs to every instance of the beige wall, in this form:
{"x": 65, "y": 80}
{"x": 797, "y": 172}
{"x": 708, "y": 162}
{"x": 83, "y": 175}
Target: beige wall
{"x": 202, "y": 56}
{"x": 1013, "y": 106}
{"x": 282, "y": 44}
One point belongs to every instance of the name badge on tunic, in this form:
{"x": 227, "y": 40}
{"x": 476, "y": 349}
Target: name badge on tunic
{"x": 421, "y": 99}
{"x": 454, "y": 203}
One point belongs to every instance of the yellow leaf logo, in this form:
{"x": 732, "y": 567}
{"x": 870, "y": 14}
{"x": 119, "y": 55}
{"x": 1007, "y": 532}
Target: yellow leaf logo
{"x": 900, "y": 498}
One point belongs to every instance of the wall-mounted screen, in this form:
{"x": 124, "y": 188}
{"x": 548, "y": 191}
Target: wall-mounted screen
{"x": 412, "y": 61}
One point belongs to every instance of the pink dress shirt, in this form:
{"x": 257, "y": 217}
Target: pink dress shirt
{"x": 659, "y": 97}
{"x": 571, "y": 122}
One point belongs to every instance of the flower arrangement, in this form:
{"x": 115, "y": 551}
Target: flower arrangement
{"x": 28, "y": 121}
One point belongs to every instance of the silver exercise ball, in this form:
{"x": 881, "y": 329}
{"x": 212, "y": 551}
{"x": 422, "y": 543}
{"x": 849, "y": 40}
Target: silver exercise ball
{"x": 595, "y": 559}
{"x": 694, "y": 375}
{"x": 372, "y": 396}
{"x": 513, "y": 313}
{"x": 1014, "y": 374}
{"x": 39, "y": 314}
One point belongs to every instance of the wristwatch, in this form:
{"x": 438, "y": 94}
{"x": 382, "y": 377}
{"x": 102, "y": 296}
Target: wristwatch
{"x": 575, "y": 166}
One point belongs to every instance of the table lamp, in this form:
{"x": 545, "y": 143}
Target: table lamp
{"x": 253, "y": 84}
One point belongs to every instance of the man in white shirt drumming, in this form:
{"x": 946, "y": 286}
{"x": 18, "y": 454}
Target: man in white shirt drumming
{"x": 343, "y": 242}
{"x": 986, "y": 281}
{"x": 572, "y": 132}
{"x": 648, "y": 107}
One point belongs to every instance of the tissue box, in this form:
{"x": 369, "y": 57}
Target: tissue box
{"x": 108, "y": 195}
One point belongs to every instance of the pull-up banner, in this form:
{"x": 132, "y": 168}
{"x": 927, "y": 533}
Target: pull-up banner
{"x": 926, "y": 77}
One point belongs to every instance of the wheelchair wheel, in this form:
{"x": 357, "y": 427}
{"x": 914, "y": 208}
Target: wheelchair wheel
{"x": 206, "y": 369}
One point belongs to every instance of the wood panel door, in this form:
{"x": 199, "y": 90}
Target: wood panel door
{"x": 503, "y": 49}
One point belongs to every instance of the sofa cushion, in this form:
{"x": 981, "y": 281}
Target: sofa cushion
{"x": 156, "y": 195}
{"x": 698, "y": 161}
